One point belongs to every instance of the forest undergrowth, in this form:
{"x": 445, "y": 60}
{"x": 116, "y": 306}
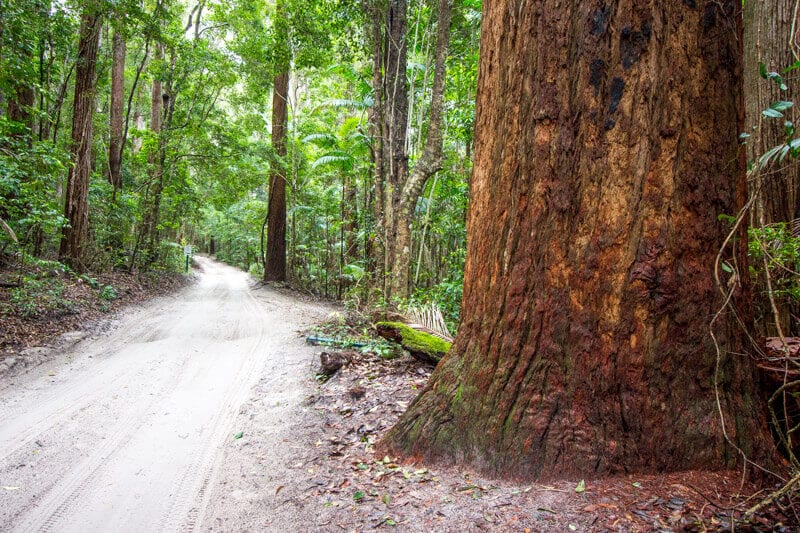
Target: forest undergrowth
{"x": 350, "y": 482}
{"x": 46, "y": 299}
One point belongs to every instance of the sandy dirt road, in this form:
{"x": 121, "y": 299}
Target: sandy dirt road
{"x": 129, "y": 430}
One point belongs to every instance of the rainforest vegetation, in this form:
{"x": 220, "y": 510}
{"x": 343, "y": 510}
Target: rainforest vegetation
{"x": 163, "y": 124}
{"x": 632, "y": 217}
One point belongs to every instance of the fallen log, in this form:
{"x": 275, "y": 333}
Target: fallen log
{"x": 421, "y": 345}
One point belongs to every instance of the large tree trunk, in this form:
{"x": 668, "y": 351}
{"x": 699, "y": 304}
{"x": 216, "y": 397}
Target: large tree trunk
{"x": 768, "y": 39}
{"x": 115, "y": 145}
{"x": 605, "y": 148}
{"x": 275, "y": 265}
{"x": 76, "y": 207}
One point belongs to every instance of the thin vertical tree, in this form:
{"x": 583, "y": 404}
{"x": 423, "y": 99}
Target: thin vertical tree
{"x": 76, "y": 206}
{"x": 398, "y": 190}
{"x": 116, "y": 115}
{"x": 275, "y": 259}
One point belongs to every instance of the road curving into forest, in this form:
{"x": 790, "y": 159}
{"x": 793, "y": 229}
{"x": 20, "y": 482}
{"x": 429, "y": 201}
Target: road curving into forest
{"x": 129, "y": 430}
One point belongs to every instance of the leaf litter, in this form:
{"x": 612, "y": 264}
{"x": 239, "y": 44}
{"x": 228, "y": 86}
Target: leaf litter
{"x": 333, "y": 480}
{"x": 354, "y": 489}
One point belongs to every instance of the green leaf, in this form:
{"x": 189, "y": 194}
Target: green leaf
{"x": 783, "y": 105}
{"x": 791, "y": 67}
{"x": 333, "y": 157}
{"x": 762, "y": 69}
{"x": 765, "y": 159}
{"x": 771, "y": 113}
{"x": 358, "y": 495}
{"x": 239, "y": 435}
{"x": 726, "y": 267}
{"x": 581, "y": 487}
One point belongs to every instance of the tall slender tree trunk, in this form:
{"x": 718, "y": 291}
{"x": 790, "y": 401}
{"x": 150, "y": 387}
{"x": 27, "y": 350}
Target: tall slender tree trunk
{"x": 76, "y": 207}
{"x": 275, "y": 259}
{"x": 275, "y": 267}
{"x": 770, "y": 33}
{"x": 395, "y": 127}
{"x": 147, "y": 238}
{"x": 397, "y": 191}
{"x": 59, "y": 103}
{"x": 429, "y": 162}
{"x": 156, "y": 169}
{"x": 46, "y": 60}
{"x": 377, "y": 246}
{"x": 605, "y": 148}
{"x": 117, "y": 112}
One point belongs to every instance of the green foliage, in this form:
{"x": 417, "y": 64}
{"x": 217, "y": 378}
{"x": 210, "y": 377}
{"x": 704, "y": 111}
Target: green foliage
{"x": 204, "y": 177}
{"x": 41, "y": 292}
{"x": 108, "y": 293}
{"x": 780, "y": 249}
{"x": 29, "y": 172}
{"x": 791, "y": 145}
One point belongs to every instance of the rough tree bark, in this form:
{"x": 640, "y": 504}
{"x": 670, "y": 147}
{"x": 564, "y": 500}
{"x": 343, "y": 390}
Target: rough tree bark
{"x": 605, "y": 148}
{"x": 770, "y": 33}
{"x": 275, "y": 265}
{"x": 768, "y": 39}
{"x": 275, "y": 258}
{"x": 115, "y": 145}
{"x": 76, "y": 206}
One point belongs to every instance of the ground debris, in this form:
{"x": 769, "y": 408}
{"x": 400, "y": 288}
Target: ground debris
{"x": 331, "y": 362}
{"x": 363, "y": 491}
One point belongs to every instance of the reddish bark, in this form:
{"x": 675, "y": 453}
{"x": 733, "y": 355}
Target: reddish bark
{"x": 605, "y": 148}
{"x": 76, "y": 206}
{"x": 275, "y": 267}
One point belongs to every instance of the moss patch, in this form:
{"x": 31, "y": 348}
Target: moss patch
{"x": 421, "y": 345}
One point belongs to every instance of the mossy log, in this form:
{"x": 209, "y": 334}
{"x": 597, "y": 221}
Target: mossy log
{"x": 423, "y": 346}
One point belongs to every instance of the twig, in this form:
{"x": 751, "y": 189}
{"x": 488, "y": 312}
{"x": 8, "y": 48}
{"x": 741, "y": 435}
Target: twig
{"x": 781, "y": 492}
{"x": 706, "y": 498}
